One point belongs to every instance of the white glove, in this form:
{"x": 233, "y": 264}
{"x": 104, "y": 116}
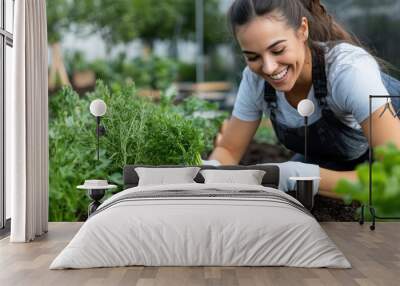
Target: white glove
{"x": 295, "y": 169}
{"x": 210, "y": 162}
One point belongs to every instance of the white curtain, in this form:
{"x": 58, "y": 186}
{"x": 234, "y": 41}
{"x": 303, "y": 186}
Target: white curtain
{"x": 27, "y": 124}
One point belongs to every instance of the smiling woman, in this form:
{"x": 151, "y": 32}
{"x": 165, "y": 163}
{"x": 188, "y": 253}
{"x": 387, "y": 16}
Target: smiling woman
{"x": 281, "y": 59}
{"x": 295, "y": 50}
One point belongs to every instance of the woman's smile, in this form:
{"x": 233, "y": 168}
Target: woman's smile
{"x": 281, "y": 76}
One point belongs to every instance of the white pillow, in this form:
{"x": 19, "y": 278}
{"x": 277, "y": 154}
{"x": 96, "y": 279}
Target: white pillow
{"x": 248, "y": 177}
{"x": 164, "y": 176}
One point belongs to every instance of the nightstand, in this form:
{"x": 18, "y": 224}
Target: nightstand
{"x": 96, "y": 190}
{"x": 304, "y": 190}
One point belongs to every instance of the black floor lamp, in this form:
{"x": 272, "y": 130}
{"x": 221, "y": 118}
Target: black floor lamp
{"x": 98, "y": 108}
{"x": 370, "y": 203}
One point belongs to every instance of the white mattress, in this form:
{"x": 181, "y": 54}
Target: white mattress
{"x": 202, "y": 231}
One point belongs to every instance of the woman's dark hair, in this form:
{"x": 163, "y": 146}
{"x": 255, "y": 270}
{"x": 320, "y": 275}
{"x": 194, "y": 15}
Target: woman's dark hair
{"x": 322, "y": 27}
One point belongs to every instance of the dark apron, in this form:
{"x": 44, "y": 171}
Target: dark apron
{"x": 393, "y": 87}
{"x": 331, "y": 143}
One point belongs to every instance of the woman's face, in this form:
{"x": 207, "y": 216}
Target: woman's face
{"x": 274, "y": 50}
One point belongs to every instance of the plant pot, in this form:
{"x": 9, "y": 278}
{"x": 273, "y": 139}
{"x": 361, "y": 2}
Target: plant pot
{"x": 83, "y": 79}
{"x": 153, "y": 94}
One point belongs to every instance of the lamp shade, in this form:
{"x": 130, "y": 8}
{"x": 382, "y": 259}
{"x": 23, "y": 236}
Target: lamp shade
{"x": 305, "y": 107}
{"x": 98, "y": 107}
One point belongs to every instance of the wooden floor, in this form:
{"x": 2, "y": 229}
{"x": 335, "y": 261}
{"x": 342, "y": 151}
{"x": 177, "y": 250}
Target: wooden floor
{"x": 375, "y": 257}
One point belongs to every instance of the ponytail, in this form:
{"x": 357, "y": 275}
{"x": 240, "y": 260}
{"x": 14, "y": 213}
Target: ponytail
{"x": 324, "y": 28}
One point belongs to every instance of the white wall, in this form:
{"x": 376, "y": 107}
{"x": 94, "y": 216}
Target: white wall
{"x": 94, "y": 47}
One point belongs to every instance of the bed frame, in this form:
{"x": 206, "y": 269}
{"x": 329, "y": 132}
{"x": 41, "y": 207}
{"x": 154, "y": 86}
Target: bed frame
{"x": 270, "y": 179}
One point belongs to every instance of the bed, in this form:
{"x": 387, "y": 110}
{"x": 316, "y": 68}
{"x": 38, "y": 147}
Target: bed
{"x": 201, "y": 224}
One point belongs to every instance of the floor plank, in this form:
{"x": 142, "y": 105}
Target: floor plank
{"x": 374, "y": 255}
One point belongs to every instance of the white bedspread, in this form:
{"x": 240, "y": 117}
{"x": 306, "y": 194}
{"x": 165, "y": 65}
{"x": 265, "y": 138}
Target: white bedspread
{"x": 183, "y": 231}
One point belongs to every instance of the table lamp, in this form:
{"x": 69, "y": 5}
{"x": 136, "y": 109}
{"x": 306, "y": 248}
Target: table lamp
{"x": 98, "y": 108}
{"x": 305, "y": 109}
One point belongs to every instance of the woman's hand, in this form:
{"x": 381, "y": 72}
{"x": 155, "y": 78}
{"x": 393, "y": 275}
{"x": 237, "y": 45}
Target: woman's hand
{"x": 210, "y": 162}
{"x": 296, "y": 169}
{"x": 330, "y": 178}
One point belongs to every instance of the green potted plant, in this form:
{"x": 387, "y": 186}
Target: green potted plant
{"x": 385, "y": 183}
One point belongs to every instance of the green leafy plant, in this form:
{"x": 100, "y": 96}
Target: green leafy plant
{"x": 138, "y": 131}
{"x": 142, "y": 132}
{"x": 152, "y": 72}
{"x": 75, "y": 62}
{"x": 205, "y": 116}
{"x": 265, "y": 134}
{"x": 385, "y": 182}
{"x": 71, "y": 161}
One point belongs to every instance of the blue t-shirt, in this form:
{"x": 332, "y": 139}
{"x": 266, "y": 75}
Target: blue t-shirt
{"x": 352, "y": 75}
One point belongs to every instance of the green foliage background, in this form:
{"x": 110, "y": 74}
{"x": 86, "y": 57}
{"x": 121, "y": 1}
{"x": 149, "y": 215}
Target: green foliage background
{"x": 138, "y": 131}
{"x": 125, "y": 20}
{"x": 385, "y": 182}
{"x": 151, "y": 72}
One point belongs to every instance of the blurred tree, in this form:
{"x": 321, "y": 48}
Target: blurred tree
{"x": 57, "y": 23}
{"x": 149, "y": 20}
{"x": 123, "y": 21}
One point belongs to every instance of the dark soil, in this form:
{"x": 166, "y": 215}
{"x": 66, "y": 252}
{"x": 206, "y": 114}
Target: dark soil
{"x": 328, "y": 209}
{"x": 258, "y": 153}
{"x": 325, "y": 209}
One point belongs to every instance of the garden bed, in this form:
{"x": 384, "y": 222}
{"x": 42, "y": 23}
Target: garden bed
{"x": 325, "y": 209}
